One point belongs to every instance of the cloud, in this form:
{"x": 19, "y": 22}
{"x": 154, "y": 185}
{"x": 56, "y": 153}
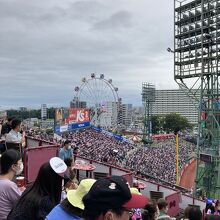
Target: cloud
{"x": 120, "y": 19}
{"x": 46, "y": 47}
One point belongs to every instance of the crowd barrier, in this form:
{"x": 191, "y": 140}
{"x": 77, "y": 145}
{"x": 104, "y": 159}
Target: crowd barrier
{"x": 34, "y": 142}
{"x": 35, "y": 156}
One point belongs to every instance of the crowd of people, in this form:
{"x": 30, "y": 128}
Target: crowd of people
{"x": 98, "y": 146}
{"x": 62, "y": 195}
{"x": 103, "y": 199}
{"x": 160, "y": 161}
{"x": 157, "y": 161}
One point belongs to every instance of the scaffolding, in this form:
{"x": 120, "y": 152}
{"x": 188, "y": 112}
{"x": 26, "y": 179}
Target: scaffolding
{"x": 148, "y": 97}
{"x": 196, "y": 70}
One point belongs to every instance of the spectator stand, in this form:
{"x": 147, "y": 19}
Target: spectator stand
{"x": 35, "y": 155}
{"x": 110, "y": 134}
{"x": 181, "y": 200}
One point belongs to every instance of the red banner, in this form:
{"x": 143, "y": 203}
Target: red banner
{"x": 65, "y": 116}
{"x": 78, "y": 115}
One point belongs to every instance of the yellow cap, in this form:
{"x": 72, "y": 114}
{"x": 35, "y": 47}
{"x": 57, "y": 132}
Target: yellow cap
{"x": 75, "y": 196}
{"x": 135, "y": 191}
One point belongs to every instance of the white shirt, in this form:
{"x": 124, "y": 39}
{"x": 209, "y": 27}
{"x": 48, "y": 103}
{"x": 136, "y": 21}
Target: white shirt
{"x": 13, "y": 137}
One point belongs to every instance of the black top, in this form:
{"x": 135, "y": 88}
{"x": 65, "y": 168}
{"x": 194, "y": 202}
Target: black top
{"x": 38, "y": 213}
{"x": 6, "y": 128}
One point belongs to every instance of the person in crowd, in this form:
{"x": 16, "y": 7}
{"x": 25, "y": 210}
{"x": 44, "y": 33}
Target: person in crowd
{"x": 14, "y": 136}
{"x": 137, "y": 212}
{"x": 72, "y": 207}
{"x": 2, "y": 139}
{"x": 186, "y": 213}
{"x": 163, "y": 208}
{"x": 217, "y": 207}
{"x": 70, "y": 180}
{"x": 76, "y": 151}
{"x": 194, "y": 213}
{"x": 66, "y": 151}
{"x": 210, "y": 208}
{"x": 11, "y": 165}
{"x": 6, "y": 127}
{"x": 1, "y": 123}
{"x": 110, "y": 198}
{"x": 150, "y": 211}
{"x": 45, "y": 193}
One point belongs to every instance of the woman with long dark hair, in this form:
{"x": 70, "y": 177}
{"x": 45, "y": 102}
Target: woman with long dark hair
{"x": 45, "y": 193}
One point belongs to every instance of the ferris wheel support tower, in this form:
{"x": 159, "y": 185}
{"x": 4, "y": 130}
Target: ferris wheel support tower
{"x": 197, "y": 70}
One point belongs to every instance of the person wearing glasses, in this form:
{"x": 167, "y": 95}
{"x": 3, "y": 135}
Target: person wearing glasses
{"x": 110, "y": 199}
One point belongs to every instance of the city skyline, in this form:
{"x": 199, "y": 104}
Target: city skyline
{"x": 46, "y": 48}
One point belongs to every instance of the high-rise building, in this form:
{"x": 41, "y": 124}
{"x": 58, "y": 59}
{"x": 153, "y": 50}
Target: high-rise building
{"x": 126, "y": 114}
{"x": 43, "y": 111}
{"x": 76, "y": 103}
{"x": 109, "y": 118}
{"x": 175, "y": 101}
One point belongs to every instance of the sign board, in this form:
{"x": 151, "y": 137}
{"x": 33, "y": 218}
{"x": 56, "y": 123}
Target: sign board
{"x": 67, "y": 119}
{"x": 206, "y": 158}
{"x": 173, "y": 201}
{"x": 65, "y": 116}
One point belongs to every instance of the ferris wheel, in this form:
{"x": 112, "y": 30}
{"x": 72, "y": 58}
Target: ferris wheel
{"x": 101, "y": 96}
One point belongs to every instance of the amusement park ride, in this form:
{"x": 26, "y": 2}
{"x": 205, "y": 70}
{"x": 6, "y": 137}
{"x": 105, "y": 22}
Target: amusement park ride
{"x": 197, "y": 70}
{"x": 101, "y": 96}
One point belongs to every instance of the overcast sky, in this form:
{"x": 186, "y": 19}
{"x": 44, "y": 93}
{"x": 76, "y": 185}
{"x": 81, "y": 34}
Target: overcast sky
{"x": 47, "y": 46}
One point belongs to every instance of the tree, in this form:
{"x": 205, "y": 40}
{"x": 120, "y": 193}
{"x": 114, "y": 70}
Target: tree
{"x": 51, "y": 112}
{"x": 157, "y": 123}
{"x": 33, "y": 113}
{"x": 174, "y": 122}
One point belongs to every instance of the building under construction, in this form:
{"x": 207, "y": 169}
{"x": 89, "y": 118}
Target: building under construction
{"x": 197, "y": 69}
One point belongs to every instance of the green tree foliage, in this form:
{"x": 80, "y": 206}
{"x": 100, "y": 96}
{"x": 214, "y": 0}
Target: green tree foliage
{"x": 51, "y": 112}
{"x": 157, "y": 123}
{"x": 174, "y": 122}
{"x": 33, "y": 113}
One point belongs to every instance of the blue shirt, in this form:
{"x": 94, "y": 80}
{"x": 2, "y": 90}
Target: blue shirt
{"x": 63, "y": 154}
{"x": 58, "y": 213}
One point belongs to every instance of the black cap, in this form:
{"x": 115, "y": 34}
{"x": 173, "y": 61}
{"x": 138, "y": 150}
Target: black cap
{"x": 112, "y": 193}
